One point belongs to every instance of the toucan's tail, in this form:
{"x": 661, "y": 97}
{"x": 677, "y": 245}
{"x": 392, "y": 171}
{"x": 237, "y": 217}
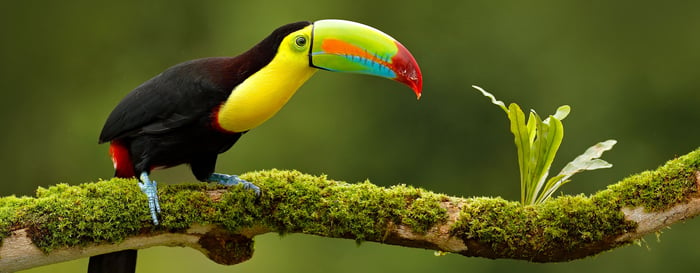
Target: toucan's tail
{"x": 116, "y": 262}
{"x": 121, "y": 261}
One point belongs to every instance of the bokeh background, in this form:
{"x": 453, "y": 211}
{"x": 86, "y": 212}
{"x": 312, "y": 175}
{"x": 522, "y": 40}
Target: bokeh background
{"x": 629, "y": 70}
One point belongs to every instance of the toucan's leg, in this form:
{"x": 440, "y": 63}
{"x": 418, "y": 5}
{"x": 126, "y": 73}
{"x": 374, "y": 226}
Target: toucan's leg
{"x": 230, "y": 180}
{"x": 149, "y": 187}
{"x": 203, "y": 169}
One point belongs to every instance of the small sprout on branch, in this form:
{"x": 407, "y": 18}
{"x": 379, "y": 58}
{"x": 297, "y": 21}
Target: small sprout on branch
{"x": 537, "y": 142}
{"x": 440, "y": 253}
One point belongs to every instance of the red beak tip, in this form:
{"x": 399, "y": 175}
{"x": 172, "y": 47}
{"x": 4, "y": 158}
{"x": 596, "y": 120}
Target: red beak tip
{"x": 418, "y": 89}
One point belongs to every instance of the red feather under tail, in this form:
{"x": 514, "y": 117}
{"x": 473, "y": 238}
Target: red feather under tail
{"x": 121, "y": 159}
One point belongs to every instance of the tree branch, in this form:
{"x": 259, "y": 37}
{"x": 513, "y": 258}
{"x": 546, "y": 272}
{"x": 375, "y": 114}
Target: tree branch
{"x": 69, "y": 222}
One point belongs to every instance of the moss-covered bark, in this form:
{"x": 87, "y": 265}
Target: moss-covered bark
{"x": 109, "y": 211}
{"x": 564, "y": 228}
{"x": 571, "y": 227}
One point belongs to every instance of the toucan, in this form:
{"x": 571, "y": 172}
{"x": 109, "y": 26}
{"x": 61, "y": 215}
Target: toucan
{"x": 194, "y": 111}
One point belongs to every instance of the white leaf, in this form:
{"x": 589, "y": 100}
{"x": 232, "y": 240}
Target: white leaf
{"x": 562, "y": 112}
{"x": 492, "y": 97}
{"x": 589, "y": 160}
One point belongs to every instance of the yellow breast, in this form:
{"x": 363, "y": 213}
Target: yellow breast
{"x": 263, "y": 94}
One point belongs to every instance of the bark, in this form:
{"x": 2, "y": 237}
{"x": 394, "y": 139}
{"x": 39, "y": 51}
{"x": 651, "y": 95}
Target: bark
{"x": 70, "y": 222}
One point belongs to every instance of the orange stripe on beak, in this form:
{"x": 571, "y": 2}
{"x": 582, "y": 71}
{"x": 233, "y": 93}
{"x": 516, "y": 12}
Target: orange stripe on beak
{"x": 339, "y": 47}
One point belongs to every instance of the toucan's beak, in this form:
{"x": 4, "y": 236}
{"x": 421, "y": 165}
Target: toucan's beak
{"x": 345, "y": 46}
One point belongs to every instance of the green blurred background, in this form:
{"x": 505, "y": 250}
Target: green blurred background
{"x": 629, "y": 70}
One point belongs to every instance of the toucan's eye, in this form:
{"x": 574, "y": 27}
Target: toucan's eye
{"x": 300, "y": 41}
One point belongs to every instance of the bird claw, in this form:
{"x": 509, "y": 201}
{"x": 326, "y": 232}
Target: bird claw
{"x": 230, "y": 180}
{"x": 149, "y": 187}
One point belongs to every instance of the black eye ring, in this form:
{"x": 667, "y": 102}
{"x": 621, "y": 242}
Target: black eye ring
{"x": 300, "y": 41}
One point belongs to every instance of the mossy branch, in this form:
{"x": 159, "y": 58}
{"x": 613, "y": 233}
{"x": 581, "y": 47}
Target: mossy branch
{"x": 68, "y": 222}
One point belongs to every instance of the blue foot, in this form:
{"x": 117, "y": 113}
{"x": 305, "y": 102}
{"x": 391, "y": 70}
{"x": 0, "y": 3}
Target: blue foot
{"x": 230, "y": 180}
{"x": 149, "y": 188}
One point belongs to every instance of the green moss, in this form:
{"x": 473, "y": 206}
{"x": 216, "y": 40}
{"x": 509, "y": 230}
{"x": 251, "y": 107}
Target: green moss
{"x": 10, "y": 210}
{"x": 570, "y": 222}
{"x": 659, "y": 189}
{"x": 109, "y": 211}
{"x": 516, "y": 231}
{"x": 65, "y": 215}
{"x": 338, "y": 209}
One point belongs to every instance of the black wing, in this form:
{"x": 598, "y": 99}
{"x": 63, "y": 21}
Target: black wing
{"x": 182, "y": 94}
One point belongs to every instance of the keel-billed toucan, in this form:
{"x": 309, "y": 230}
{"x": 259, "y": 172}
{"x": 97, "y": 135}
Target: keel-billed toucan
{"x": 193, "y": 111}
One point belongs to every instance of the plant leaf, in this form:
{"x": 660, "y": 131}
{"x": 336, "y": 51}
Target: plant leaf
{"x": 492, "y": 97}
{"x": 562, "y": 112}
{"x": 549, "y": 138}
{"x": 589, "y": 160}
{"x": 537, "y": 142}
{"x": 552, "y": 185}
{"x": 522, "y": 142}
{"x": 532, "y": 121}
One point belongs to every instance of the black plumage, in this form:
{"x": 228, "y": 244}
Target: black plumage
{"x": 171, "y": 120}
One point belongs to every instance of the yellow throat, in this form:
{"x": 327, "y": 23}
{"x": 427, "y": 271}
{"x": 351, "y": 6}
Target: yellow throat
{"x": 263, "y": 94}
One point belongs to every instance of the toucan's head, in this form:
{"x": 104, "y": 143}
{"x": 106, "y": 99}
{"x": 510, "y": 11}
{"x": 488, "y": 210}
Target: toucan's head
{"x": 345, "y": 46}
{"x": 289, "y": 56}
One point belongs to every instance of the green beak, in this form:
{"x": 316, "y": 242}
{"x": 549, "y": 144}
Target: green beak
{"x": 345, "y": 46}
